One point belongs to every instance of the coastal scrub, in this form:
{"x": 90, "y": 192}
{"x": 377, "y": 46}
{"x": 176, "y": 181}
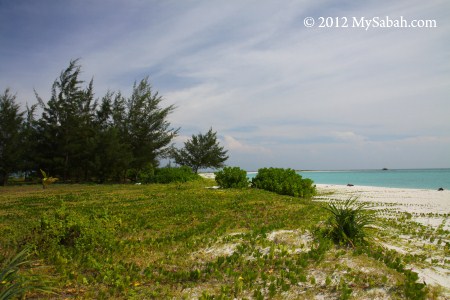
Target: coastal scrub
{"x": 284, "y": 182}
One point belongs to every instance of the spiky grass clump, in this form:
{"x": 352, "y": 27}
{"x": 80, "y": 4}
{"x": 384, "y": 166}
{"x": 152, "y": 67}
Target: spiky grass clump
{"x": 13, "y": 284}
{"x": 348, "y": 221}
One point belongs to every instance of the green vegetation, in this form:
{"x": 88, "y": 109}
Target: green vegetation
{"x": 163, "y": 175}
{"x": 284, "y": 182}
{"x": 232, "y": 177}
{"x": 183, "y": 241}
{"x": 201, "y": 151}
{"x": 46, "y": 180}
{"x": 80, "y": 139}
{"x": 15, "y": 284}
{"x": 10, "y": 127}
{"x": 111, "y": 139}
{"x": 348, "y": 221}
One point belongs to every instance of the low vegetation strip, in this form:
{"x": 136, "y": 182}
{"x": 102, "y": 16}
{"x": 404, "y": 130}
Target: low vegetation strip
{"x": 184, "y": 241}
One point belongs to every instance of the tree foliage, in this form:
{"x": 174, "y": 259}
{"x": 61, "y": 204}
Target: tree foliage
{"x": 201, "y": 151}
{"x": 81, "y": 138}
{"x": 66, "y": 125}
{"x": 148, "y": 131}
{"x": 11, "y": 120}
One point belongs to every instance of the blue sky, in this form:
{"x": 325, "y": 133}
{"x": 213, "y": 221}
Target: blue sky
{"x": 278, "y": 93}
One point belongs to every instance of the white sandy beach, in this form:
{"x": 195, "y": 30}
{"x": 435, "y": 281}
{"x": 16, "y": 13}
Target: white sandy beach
{"x": 417, "y": 201}
{"x": 427, "y": 207}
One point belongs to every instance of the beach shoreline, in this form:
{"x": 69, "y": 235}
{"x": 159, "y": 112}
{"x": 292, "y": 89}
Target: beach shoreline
{"x": 408, "y": 199}
{"x": 422, "y": 209}
{"x": 417, "y": 201}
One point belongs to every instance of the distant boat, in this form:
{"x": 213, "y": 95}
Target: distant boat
{"x": 385, "y": 169}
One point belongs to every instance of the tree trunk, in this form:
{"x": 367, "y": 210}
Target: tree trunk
{"x": 4, "y": 179}
{"x": 66, "y": 163}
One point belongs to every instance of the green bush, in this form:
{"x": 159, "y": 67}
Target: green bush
{"x": 284, "y": 182}
{"x": 147, "y": 175}
{"x": 170, "y": 174}
{"x": 232, "y": 177}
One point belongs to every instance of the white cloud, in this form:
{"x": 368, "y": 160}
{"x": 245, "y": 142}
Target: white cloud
{"x": 229, "y": 65}
{"x": 234, "y": 145}
{"x": 348, "y": 136}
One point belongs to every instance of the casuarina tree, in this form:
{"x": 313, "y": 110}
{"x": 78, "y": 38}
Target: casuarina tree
{"x": 79, "y": 138}
{"x": 149, "y": 133}
{"x": 201, "y": 151}
{"x": 66, "y": 132}
{"x": 10, "y": 135}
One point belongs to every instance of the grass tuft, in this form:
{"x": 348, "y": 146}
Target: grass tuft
{"x": 348, "y": 221}
{"x": 13, "y": 283}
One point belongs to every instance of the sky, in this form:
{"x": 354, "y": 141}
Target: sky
{"x": 278, "y": 93}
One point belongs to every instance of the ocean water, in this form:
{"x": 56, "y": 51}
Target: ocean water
{"x": 396, "y": 178}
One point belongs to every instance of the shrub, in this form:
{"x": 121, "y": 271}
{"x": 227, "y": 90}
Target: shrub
{"x": 166, "y": 175}
{"x": 146, "y": 175}
{"x": 347, "y": 221}
{"x": 170, "y": 174}
{"x": 232, "y": 177}
{"x": 284, "y": 182}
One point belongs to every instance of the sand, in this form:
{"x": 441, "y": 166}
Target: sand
{"x": 428, "y": 207}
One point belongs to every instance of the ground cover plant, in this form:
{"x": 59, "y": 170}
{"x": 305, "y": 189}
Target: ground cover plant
{"x": 184, "y": 241}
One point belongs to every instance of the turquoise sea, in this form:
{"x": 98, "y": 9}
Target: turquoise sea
{"x": 396, "y": 178}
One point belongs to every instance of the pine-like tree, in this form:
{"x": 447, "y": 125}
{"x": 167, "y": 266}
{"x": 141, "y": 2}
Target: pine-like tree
{"x": 148, "y": 131}
{"x": 66, "y": 127}
{"x": 112, "y": 155}
{"x": 79, "y": 139}
{"x": 11, "y": 120}
{"x": 201, "y": 151}
{"x": 28, "y": 164}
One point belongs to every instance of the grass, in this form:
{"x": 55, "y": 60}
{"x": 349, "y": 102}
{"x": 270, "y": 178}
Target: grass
{"x": 186, "y": 241}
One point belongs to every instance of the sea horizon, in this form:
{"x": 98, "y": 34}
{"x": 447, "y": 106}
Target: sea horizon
{"x": 419, "y": 178}
{"x": 364, "y": 169}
